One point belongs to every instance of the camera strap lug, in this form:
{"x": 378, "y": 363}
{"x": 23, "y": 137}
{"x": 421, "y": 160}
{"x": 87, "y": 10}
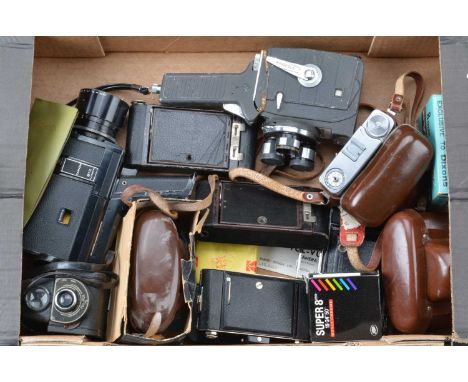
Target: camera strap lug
{"x": 307, "y": 213}
{"x": 399, "y": 101}
{"x": 234, "y": 150}
{"x": 352, "y": 235}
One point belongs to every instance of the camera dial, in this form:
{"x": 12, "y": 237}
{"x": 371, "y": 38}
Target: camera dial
{"x": 37, "y": 298}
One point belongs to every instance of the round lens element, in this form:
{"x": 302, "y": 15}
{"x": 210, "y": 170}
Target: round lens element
{"x": 37, "y": 298}
{"x": 65, "y": 300}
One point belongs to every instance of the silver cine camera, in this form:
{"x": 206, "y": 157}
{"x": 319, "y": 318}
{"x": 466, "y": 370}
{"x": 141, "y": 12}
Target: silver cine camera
{"x": 353, "y": 157}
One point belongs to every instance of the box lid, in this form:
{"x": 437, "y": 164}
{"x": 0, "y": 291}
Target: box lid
{"x": 16, "y": 60}
{"x": 454, "y": 62}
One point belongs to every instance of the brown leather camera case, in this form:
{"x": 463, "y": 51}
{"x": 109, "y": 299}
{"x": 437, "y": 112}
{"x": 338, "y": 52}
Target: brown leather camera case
{"x": 155, "y": 288}
{"x": 386, "y": 183}
{"x": 416, "y": 270}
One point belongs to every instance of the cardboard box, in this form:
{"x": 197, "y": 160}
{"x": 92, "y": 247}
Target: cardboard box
{"x": 63, "y": 65}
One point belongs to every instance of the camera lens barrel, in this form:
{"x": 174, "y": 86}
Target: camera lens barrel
{"x": 289, "y": 143}
{"x": 66, "y": 300}
{"x": 100, "y": 113}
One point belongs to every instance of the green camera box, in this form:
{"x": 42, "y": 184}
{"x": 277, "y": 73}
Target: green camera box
{"x": 431, "y": 123}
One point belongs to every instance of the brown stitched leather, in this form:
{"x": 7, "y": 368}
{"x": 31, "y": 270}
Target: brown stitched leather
{"x": 273, "y": 185}
{"x": 356, "y": 262}
{"x": 157, "y": 199}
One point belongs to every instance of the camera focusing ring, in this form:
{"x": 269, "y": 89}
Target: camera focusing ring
{"x": 276, "y": 130}
{"x": 71, "y": 301}
{"x": 100, "y": 112}
{"x": 65, "y": 300}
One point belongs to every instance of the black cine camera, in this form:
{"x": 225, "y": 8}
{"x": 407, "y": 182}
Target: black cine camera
{"x": 187, "y": 140}
{"x": 66, "y": 222}
{"x": 67, "y": 285}
{"x": 298, "y": 96}
{"x": 247, "y": 213}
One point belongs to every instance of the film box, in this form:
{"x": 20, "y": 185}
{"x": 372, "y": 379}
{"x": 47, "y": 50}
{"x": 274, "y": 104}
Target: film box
{"x": 345, "y": 307}
{"x": 431, "y": 123}
{"x": 228, "y": 257}
{"x": 293, "y": 262}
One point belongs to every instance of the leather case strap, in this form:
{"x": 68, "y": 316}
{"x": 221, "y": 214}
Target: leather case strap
{"x": 168, "y": 207}
{"x": 312, "y": 197}
{"x": 356, "y": 262}
{"x": 399, "y": 101}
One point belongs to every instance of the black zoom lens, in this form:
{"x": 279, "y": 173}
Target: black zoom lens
{"x": 100, "y": 114}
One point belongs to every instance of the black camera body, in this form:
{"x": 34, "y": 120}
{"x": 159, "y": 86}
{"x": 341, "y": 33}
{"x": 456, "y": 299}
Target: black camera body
{"x": 298, "y": 96}
{"x": 252, "y": 305}
{"x": 66, "y": 305}
{"x": 66, "y": 222}
{"x": 187, "y": 140}
{"x": 177, "y": 187}
{"x": 66, "y": 289}
{"x": 247, "y": 213}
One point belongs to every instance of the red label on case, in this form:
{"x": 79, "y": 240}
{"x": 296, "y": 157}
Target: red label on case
{"x": 352, "y": 237}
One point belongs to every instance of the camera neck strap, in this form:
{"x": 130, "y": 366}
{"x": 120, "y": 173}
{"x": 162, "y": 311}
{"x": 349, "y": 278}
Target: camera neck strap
{"x": 400, "y": 101}
{"x": 96, "y": 275}
{"x": 168, "y": 207}
{"x": 312, "y": 197}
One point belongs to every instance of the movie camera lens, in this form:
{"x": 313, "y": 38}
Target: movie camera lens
{"x": 100, "y": 114}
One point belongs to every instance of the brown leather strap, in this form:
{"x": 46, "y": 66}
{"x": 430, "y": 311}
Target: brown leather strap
{"x": 356, "y": 262}
{"x": 154, "y": 325}
{"x": 400, "y": 100}
{"x": 167, "y": 207}
{"x": 156, "y": 198}
{"x": 273, "y": 185}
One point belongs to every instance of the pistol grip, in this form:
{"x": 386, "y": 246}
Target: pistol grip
{"x": 211, "y": 91}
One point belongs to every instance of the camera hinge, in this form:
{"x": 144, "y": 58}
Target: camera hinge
{"x": 234, "y": 150}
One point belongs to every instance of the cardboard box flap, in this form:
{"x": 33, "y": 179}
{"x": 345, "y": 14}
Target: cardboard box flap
{"x": 16, "y": 59}
{"x": 399, "y": 46}
{"x": 56, "y": 46}
{"x": 454, "y": 60}
{"x": 232, "y": 43}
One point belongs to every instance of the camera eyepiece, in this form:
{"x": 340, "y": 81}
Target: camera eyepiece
{"x": 100, "y": 114}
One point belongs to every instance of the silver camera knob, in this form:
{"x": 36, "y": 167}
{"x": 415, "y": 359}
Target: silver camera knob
{"x": 334, "y": 178}
{"x": 377, "y": 126}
